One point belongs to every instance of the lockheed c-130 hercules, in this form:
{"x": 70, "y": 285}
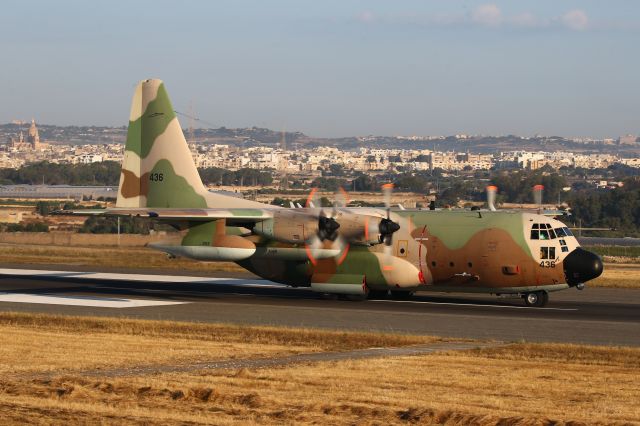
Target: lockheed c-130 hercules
{"x": 369, "y": 252}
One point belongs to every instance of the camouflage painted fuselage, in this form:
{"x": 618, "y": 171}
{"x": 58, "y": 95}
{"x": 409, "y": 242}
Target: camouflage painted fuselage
{"x": 442, "y": 250}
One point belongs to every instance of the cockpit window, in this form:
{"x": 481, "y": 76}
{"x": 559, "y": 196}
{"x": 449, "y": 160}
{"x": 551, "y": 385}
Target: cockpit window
{"x": 560, "y": 232}
{"x": 568, "y": 232}
{"x": 544, "y": 231}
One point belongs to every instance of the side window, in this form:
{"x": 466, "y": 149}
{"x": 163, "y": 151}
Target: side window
{"x": 547, "y": 253}
{"x": 568, "y": 231}
{"x": 544, "y": 252}
{"x": 560, "y": 232}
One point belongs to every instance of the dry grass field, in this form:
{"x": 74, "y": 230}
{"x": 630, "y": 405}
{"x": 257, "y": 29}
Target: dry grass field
{"x": 617, "y": 275}
{"x": 42, "y": 382}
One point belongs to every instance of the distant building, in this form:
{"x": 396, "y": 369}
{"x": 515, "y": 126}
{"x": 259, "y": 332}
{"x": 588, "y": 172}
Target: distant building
{"x": 628, "y": 140}
{"x": 88, "y": 159}
{"x": 56, "y": 192}
{"x": 32, "y": 141}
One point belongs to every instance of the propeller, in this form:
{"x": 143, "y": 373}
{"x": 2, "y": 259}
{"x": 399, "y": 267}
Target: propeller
{"x": 327, "y": 229}
{"x": 327, "y": 226}
{"x": 341, "y": 199}
{"x": 387, "y": 227}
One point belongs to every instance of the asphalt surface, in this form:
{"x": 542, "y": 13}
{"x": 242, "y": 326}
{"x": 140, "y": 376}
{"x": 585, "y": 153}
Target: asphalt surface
{"x": 592, "y": 316}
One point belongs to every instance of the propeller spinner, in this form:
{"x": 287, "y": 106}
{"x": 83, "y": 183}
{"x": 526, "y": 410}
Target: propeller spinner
{"x": 327, "y": 228}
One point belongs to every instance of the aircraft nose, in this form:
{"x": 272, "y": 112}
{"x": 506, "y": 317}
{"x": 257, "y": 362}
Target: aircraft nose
{"x": 581, "y": 266}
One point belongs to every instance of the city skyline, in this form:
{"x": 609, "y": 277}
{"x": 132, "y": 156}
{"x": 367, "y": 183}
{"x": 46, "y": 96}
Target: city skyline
{"x": 340, "y": 69}
{"x": 230, "y": 153}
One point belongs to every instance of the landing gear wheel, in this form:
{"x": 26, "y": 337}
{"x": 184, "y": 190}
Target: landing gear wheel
{"x": 352, "y": 297}
{"x": 377, "y": 294}
{"x": 536, "y": 299}
{"x": 401, "y": 295}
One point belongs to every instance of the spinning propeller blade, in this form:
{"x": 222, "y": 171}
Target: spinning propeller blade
{"x": 387, "y": 227}
{"x": 327, "y": 228}
{"x": 312, "y": 199}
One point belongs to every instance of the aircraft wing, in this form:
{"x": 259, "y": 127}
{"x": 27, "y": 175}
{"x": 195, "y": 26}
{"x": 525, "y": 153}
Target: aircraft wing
{"x": 177, "y": 214}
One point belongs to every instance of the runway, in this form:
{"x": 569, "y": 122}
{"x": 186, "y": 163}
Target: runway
{"x": 593, "y": 316}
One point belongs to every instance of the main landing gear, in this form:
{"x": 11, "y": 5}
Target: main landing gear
{"x": 536, "y": 299}
{"x": 378, "y": 294}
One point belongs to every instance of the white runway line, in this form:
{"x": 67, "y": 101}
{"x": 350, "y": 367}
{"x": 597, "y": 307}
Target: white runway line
{"x": 418, "y": 302}
{"x": 106, "y": 302}
{"x": 140, "y": 277}
{"x": 96, "y": 302}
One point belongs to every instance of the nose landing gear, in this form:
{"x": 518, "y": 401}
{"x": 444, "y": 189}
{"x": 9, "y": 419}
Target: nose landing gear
{"x": 536, "y": 299}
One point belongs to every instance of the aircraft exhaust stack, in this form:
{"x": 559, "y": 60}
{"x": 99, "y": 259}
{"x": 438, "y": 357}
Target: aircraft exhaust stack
{"x": 492, "y": 190}
{"x": 537, "y": 194}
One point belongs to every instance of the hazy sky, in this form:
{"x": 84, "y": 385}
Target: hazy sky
{"x": 331, "y": 68}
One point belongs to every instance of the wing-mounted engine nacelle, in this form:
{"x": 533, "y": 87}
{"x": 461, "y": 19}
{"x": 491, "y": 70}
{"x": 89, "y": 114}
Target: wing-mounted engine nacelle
{"x": 357, "y": 228}
{"x": 289, "y": 227}
{"x": 365, "y": 229}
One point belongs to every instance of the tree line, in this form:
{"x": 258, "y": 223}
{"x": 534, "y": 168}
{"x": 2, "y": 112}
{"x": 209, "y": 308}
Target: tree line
{"x": 618, "y": 208}
{"x": 107, "y": 173}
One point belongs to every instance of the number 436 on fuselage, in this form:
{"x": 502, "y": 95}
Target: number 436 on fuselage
{"x": 343, "y": 250}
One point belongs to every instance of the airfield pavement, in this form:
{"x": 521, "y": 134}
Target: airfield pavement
{"x": 597, "y": 316}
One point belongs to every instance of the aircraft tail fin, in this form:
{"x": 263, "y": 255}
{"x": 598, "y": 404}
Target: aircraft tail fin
{"x": 157, "y": 170}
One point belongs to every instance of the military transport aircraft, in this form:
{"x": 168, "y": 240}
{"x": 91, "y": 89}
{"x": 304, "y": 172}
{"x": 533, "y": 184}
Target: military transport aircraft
{"x": 368, "y": 252}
